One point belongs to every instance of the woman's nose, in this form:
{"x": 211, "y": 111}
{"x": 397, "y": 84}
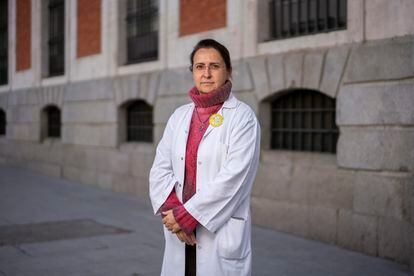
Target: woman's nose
{"x": 207, "y": 72}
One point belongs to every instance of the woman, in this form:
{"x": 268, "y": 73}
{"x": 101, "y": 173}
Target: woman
{"x": 203, "y": 172}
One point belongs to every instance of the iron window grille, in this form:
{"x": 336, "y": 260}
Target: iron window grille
{"x": 56, "y": 41}
{"x": 142, "y": 30}
{"x": 53, "y": 122}
{"x": 304, "y": 120}
{"x": 139, "y": 122}
{"x": 2, "y": 122}
{"x": 291, "y": 18}
{"x": 3, "y": 42}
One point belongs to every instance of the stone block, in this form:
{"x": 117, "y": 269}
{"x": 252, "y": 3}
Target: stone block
{"x": 258, "y": 70}
{"x": 312, "y": 69}
{"x": 90, "y": 135}
{"x": 142, "y": 187}
{"x": 49, "y": 151}
{"x": 124, "y": 184}
{"x": 74, "y": 156}
{"x": 98, "y": 159}
{"x": 91, "y": 90}
{"x": 71, "y": 173}
{"x": 272, "y": 182}
{"x": 242, "y": 80}
{"x": 330, "y": 187}
{"x": 397, "y": 19}
{"x": 286, "y": 217}
{"x": 175, "y": 82}
{"x": 335, "y": 61}
{"x": 248, "y": 98}
{"x": 158, "y": 132}
{"x": 88, "y": 177}
{"x": 45, "y": 168}
{"x": 381, "y": 194}
{"x": 90, "y": 112}
{"x": 385, "y": 148}
{"x": 142, "y": 86}
{"x": 394, "y": 240}
{"x": 376, "y": 104}
{"x": 165, "y": 107}
{"x": 358, "y": 232}
{"x": 276, "y": 73}
{"x": 118, "y": 162}
{"x": 4, "y": 100}
{"x": 104, "y": 180}
{"x": 141, "y": 160}
{"x": 381, "y": 60}
{"x": 48, "y": 95}
{"x": 23, "y": 114}
{"x": 24, "y": 132}
{"x": 322, "y": 224}
{"x": 293, "y": 70}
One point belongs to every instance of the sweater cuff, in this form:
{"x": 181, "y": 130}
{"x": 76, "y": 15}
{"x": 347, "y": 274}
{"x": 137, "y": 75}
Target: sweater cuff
{"x": 186, "y": 221}
{"x": 171, "y": 202}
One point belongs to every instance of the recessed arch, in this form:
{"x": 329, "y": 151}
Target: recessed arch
{"x": 51, "y": 122}
{"x": 136, "y": 121}
{"x": 300, "y": 120}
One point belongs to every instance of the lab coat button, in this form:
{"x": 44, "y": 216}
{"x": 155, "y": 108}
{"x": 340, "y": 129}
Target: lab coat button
{"x": 199, "y": 247}
{"x": 182, "y": 158}
{"x": 199, "y": 162}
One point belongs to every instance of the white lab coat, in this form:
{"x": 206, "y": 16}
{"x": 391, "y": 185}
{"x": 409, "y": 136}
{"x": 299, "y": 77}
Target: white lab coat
{"x": 227, "y": 161}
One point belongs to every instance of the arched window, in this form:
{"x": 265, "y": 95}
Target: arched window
{"x": 304, "y": 120}
{"x": 139, "y": 126}
{"x": 53, "y": 121}
{"x": 2, "y": 122}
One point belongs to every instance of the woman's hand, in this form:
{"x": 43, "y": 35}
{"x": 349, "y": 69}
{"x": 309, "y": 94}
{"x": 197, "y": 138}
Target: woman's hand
{"x": 184, "y": 237}
{"x": 170, "y": 222}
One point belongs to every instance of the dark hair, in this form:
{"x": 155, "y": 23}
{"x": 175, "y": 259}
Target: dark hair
{"x": 211, "y": 43}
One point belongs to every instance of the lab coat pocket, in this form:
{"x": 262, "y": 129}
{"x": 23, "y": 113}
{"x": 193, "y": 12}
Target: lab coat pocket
{"x": 233, "y": 240}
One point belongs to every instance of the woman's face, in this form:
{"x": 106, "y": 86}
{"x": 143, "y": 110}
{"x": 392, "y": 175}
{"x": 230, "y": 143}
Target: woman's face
{"x": 209, "y": 70}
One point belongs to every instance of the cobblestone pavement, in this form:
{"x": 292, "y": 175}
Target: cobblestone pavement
{"x": 51, "y": 226}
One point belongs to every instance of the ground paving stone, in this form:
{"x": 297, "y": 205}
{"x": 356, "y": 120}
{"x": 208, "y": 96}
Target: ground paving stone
{"x": 28, "y": 197}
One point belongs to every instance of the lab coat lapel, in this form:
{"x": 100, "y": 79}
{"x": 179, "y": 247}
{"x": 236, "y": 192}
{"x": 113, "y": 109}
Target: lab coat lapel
{"x": 231, "y": 102}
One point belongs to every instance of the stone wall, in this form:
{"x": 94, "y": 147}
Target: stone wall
{"x": 360, "y": 198}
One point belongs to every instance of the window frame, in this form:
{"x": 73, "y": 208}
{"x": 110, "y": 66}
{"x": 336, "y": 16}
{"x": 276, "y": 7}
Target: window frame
{"x": 4, "y": 42}
{"x": 305, "y": 122}
{"x": 56, "y": 37}
{"x": 139, "y": 117}
{"x": 53, "y": 122}
{"x": 142, "y": 44}
{"x": 305, "y": 17}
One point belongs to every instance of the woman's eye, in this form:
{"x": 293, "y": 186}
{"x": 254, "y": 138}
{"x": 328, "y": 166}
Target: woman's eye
{"x": 199, "y": 67}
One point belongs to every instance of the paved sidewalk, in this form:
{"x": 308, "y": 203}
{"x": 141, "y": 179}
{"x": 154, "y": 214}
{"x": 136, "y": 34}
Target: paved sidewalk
{"x": 50, "y": 226}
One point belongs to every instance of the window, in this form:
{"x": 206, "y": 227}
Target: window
{"x": 56, "y": 41}
{"x": 53, "y": 121}
{"x": 3, "y": 41}
{"x": 290, "y": 18}
{"x": 139, "y": 122}
{"x": 142, "y": 30}
{"x": 304, "y": 120}
{"x": 2, "y": 122}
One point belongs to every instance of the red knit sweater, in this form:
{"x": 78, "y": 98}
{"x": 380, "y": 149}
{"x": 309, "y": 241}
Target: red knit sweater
{"x": 205, "y": 105}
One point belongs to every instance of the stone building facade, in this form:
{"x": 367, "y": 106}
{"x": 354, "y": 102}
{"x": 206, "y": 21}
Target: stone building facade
{"x": 360, "y": 195}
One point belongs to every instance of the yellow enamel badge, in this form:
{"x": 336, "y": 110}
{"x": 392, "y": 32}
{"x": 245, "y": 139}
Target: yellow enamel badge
{"x": 216, "y": 120}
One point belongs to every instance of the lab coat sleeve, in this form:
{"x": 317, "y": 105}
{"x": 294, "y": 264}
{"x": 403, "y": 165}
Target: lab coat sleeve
{"x": 217, "y": 201}
{"x": 162, "y": 179}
